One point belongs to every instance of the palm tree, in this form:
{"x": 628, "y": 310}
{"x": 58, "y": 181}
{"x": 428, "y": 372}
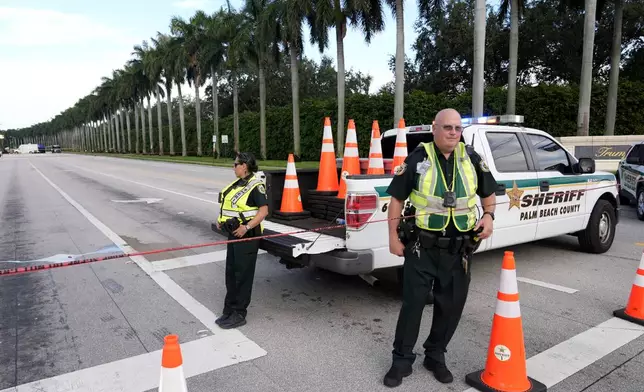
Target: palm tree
{"x": 166, "y": 50}
{"x": 290, "y": 16}
{"x": 365, "y": 14}
{"x": 478, "y": 82}
{"x": 399, "y": 94}
{"x": 615, "y": 59}
{"x": 516, "y": 11}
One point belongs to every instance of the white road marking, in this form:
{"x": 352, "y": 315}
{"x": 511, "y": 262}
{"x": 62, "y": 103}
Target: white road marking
{"x": 192, "y": 260}
{"x": 203, "y": 314}
{"x": 141, "y": 372}
{"x": 147, "y": 200}
{"x": 547, "y": 285}
{"x": 567, "y": 358}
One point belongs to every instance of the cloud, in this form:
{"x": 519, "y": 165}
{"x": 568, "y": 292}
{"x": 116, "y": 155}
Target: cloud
{"x": 39, "y": 27}
{"x": 191, "y": 4}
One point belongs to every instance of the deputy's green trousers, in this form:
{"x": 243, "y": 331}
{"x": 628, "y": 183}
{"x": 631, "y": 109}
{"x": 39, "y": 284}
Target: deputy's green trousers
{"x": 241, "y": 258}
{"x": 450, "y": 288}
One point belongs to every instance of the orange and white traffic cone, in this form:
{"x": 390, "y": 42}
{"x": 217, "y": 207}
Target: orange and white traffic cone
{"x": 634, "y": 310}
{"x": 172, "y": 377}
{"x": 505, "y": 368}
{"x": 328, "y": 174}
{"x": 291, "y": 207}
{"x": 351, "y": 161}
{"x": 376, "y": 164}
{"x": 400, "y": 152}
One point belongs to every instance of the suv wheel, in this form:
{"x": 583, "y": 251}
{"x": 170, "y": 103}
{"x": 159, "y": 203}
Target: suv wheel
{"x": 640, "y": 203}
{"x": 600, "y": 232}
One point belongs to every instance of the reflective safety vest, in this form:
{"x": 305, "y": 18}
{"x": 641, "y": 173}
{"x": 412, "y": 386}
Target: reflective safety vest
{"x": 427, "y": 195}
{"x": 233, "y": 201}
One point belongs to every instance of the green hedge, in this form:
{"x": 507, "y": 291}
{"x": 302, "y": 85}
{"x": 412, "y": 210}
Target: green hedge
{"x": 546, "y": 107}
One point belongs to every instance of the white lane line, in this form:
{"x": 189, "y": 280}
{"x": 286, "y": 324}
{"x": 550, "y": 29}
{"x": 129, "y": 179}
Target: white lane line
{"x": 193, "y": 306}
{"x": 141, "y": 372}
{"x": 192, "y": 260}
{"x": 547, "y": 285}
{"x": 567, "y": 358}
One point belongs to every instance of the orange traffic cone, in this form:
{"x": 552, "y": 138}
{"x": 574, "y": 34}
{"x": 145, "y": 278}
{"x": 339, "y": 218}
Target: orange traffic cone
{"x": 400, "y": 152}
{"x": 351, "y": 161}
{"x": 634, "y": 310}
{"x": 376, "y": 164}
{"x": 172, "y": 376}
{"x": 505, "y": 369}
{"x": 328, "y": 174}
{"x": 291, "y": 207}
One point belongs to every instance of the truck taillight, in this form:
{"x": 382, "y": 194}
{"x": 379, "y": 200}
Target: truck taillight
{"x": 359, "y": 208}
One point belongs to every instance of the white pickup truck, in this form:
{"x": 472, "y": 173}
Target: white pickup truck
{"x": 543, "y": 191}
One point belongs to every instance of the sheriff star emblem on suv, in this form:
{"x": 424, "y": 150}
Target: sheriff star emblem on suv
{"x": 514, "y": 195}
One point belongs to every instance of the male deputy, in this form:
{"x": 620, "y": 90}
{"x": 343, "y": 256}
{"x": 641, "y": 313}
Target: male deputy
{"x": 442, "y": 179}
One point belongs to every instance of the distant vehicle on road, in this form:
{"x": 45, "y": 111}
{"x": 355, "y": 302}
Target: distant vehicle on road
{"x": 630, "y": 176}
{"x": 56, "y": 149}
{"x": 28, "y": 149}
{"x": 41, "y": 149}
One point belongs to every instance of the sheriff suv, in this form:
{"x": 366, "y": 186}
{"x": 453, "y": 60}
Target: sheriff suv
{"x": 630, "y": 175}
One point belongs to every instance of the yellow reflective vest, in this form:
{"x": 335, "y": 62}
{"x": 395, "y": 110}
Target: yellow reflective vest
{"x": 427, "y": 195}
{"x": 233, "y": 200}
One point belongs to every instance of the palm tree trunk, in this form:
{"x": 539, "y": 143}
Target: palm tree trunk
{"x": 399, "y": 102}
{"x": 122, "y": 130}
{"x": 105, "y": 142}
{"x": 150, "y": 125}
{"x": 235, "y": 112}
{"x": 109, "y": 131}
{"x": 295, "y": 91}
{"x": 339, "y": 35}
{"x": 514, "y": 50}
{"x": 478, "y": 82}
{"x": 159, "y": 104}
{"x": 615, "y": 57}
{"x": 215, "y": 111}
{"x": 585, "y": 86}
{"x": 198, "y": 114}
{"x": 168, "y": 88}
{"x": 143, "y": 148}
{"x": 129, "y": 131}
{"x": 262, "y": 111}
{"x": 136, "y": 128}
{"x": 182, "y": 122}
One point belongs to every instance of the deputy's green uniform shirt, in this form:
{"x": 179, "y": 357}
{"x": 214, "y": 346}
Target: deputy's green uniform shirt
{"x": 402, "y": 185}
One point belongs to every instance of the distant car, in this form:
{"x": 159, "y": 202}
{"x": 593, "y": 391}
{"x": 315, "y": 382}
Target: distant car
{"x": 56, "y": 148}
{"x": 630, "y": 175}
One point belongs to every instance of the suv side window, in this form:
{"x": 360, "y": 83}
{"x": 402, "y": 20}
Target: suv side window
{"x": 550, "y": 155}
{"x": 634, "y": 151}
{"x": 507, "y": 152}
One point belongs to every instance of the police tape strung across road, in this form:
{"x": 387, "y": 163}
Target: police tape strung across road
{"x": 42, "y": 267}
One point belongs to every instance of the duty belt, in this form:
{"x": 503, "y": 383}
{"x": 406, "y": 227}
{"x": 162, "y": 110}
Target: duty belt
{"x": 458, "y": 244}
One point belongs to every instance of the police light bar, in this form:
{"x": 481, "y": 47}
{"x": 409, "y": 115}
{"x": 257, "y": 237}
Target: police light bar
{"x": 504, "y": 119}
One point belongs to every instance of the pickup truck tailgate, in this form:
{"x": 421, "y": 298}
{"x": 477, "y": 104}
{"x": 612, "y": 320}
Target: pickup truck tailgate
{"x": 299, "y": 242}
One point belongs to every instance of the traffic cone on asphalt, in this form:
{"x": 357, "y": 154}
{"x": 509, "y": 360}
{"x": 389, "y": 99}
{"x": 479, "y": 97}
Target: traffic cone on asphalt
{"x": 291, "y": 207}
{"x": 634, "y": 310}
{"x": 328, "y": 174}
{"x": 172, "y": 377}
{"x": 351, "y": 161}
{"x": 505, "y": 368}
{"x": 376, "y": 164}
{"x": 400, "y": 152}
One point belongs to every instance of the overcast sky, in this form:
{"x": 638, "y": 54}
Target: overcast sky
{"x": 54, "y": 52}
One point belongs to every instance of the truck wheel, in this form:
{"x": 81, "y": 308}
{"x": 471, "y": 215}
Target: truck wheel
{"x": 640, "y": 203}
{"x": 600, "y": 232}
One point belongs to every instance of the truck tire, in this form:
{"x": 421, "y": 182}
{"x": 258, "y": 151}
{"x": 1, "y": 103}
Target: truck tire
{"x": 639, "y": 206}
{"x": 600, "y": 232}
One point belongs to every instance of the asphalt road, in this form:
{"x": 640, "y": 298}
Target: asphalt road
{"x": 308, "y": 329}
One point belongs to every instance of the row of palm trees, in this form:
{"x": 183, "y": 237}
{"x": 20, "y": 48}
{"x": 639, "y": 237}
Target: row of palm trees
{"x": 227, "y": 43}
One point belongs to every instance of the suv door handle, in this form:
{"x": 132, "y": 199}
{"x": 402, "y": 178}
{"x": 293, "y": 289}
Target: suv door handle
{"x": 500, "y": 190}
{"x": 544, "y": 186}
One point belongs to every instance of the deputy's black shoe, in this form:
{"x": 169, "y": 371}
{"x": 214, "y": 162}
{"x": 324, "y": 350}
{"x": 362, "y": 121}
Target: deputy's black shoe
{"x": 222, "y": 318}
{"x": 394, "y": 376}
{"x": 440, "y": 370}
{"x": 233, "y": 321}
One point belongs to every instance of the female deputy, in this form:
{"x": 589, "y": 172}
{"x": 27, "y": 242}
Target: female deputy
{"x": 243, "y": 208}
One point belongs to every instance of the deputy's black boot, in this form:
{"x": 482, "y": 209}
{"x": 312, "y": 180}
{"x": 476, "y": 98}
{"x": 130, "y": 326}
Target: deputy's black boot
{"x": 233, "y": 321}
{"x": 440, "y": 370}
{"x": 394, "y": 376}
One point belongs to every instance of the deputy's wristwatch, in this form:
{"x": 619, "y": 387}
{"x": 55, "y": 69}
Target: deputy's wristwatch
{"x": 490, "y": 214}
{"x": 248, "y": 227}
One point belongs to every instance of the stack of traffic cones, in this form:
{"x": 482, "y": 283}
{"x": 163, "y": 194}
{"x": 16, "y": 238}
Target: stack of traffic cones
{"x": 505, "y": 369}
{"x": 376, "y": 164}
{"x": 328, "y": 174}
{"x": 291, "y": 207}
{"x": 634, "y": 310}
{"x": 172, "y": 377}
{"x": 351, "y": 161}
{"x": 400, "y": 152}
